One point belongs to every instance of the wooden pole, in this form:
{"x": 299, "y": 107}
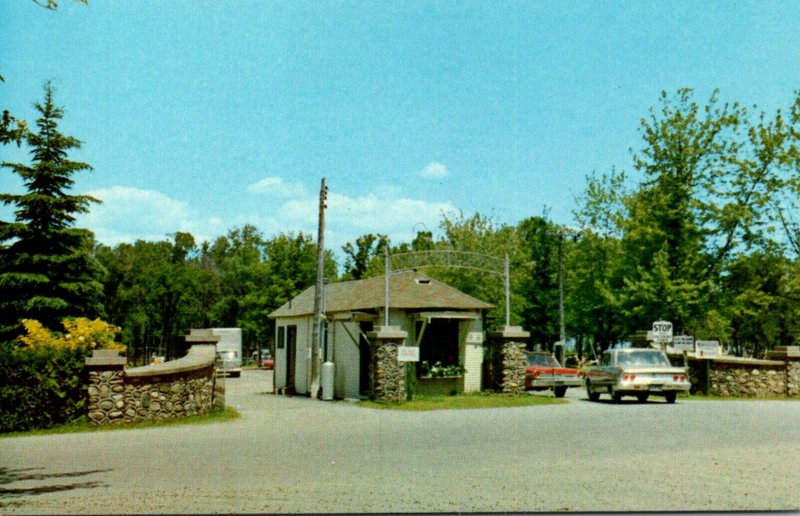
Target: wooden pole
{"x": 315, "y": 331}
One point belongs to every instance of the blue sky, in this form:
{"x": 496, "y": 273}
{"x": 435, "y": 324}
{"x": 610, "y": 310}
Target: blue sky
{"x": 203, "y": 115}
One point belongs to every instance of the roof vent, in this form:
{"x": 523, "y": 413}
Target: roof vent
{"x": 423, "y": 281}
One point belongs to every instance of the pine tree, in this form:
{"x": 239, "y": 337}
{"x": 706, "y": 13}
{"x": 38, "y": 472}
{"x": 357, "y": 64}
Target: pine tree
{"x": 47, "y": 271}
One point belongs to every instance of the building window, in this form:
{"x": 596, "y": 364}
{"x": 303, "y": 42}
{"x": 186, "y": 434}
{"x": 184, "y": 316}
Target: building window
{"x": 439, "y": 342}
{"x": 281, "y": 337}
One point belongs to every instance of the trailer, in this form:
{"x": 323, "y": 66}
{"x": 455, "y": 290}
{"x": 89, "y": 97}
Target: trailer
{"x": 229, "y": 348}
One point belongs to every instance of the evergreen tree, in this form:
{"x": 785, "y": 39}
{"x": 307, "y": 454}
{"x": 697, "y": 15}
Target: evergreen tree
{"x": 47, "y": 271}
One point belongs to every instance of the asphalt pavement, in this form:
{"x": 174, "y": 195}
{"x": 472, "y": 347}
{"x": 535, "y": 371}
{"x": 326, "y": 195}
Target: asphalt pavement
{"x": 293, "y": 454}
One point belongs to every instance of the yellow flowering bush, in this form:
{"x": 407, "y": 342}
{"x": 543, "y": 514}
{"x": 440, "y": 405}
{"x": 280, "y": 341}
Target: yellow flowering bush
{"x": 81, "y": 334}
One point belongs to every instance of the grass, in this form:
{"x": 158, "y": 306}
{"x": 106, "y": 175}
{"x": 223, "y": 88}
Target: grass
{"x": 463, "y": 401}
{"x": 82, "y": 424}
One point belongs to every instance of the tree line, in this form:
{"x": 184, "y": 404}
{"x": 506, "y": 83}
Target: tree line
{"x": 702, "y": 231}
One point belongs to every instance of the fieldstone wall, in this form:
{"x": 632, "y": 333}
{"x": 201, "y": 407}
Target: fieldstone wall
{"x": 182, "y": 387}
{"x": 793, "y": 378}
{"x": 744, "y": 377}
{"x": 114, "y": 398}
{"x": 513, "y": 368}
{"x": 748, "y": 380}
{"x": 387, "y": 374}
{"x": 390, "y": 375}
{"x": 507, "y": 360}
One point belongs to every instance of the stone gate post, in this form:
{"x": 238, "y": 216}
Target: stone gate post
{"x": 106, "y": 390}
{"x": 508, "y": 363}
{"x": 387, "y": 374}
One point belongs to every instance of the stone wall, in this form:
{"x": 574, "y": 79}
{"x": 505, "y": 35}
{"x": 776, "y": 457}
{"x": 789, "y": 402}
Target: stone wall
{"x": 179, "y": 388}
{"x": 387, "y": 375}
{"x": 746, "y": 378}
{"x": 793, "y": 378}
{"x": 390, "y": 375}
{"x": 115, "y": 398}
{"x": 748, "y": 381}
{"x": 513, "y": 371}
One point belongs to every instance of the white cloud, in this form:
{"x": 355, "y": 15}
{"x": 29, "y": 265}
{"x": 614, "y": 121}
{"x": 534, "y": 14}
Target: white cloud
{"x": 277, "y": 186}
{"x": 434, "y": 170}
{"x": 127, "y": 214}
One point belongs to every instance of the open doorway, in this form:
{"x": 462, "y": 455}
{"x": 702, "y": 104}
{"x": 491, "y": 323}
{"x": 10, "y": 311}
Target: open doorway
{"x": 291, "y": 358}
{"x": 365, "y": 355}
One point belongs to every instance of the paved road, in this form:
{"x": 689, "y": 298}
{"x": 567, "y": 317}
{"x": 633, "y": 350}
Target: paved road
{"x": 299, "y": 455}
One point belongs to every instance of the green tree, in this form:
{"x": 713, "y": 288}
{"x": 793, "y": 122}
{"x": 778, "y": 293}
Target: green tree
{"x": 151, "y": 291}
{"x": 540, "y": 288}
{"x": 47, "y": 271}
{"x": 360, "y": 256}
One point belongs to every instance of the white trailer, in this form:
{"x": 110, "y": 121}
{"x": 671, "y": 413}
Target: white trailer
{"x": 229, "y": 348}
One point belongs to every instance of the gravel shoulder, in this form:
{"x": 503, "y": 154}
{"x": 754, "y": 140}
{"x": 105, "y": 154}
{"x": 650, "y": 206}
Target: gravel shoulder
{"x": 299, "y": 455}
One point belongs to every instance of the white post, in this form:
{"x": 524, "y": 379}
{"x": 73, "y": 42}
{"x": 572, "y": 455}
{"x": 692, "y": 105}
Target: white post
{"x": 508, "y": 292}
{"x": 386, "y": 289}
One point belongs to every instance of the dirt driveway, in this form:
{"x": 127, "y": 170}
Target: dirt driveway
{"x": 299, "y": 455}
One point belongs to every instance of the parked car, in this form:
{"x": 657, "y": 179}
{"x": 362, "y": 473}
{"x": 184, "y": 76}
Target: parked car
{"x": 544, "y": 372}
{"x": 639, "y": 372}
{"x": 267, "y": 363}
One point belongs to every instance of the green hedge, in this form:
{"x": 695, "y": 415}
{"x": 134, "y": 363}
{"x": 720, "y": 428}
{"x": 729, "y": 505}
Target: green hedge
{"x": 40, "y": 388}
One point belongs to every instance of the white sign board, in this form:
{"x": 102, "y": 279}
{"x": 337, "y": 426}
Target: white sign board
{"x": 407, "y": 354}
{"x": 683, "y": 343}
{"x": 475, "y": 337}
{"x": 662, "y": 331}
{"x": 707, "y": 348}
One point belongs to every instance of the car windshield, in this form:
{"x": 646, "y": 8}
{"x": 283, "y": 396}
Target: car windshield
{"x": 542, "y": 359}
{"x": 643, "y": 357}
{"x": 227, "y": 355}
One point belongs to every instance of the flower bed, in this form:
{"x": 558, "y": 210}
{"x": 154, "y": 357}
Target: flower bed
{"x": 439, "y": 385}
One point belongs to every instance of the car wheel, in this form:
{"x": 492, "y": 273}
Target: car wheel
{"x": 593, "y": 396}
{"x": 616, "y": 396}
{"x": 642, "y": 397}
{"x": 670, "y": 396}
{"x": 560, "y": 391}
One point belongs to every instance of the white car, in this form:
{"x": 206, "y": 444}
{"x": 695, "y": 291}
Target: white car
{"x": 639, "y": 372}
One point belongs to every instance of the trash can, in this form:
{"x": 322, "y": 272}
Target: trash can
{"x": 327, "y": 381}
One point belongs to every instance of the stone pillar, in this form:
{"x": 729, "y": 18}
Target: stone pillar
{"x": 790, "y": 355}
{"x": 387, "y": 374}
{"x": 206, "y": 338}
{"x": 106, "y": 392}
{"x": 508, "y": 359}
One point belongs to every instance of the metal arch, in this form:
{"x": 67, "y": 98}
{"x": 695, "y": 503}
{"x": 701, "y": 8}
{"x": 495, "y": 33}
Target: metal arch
{"x": 450, "y": 266}
{"x": 450, "y": 263}
{"x": 505, "y": 274}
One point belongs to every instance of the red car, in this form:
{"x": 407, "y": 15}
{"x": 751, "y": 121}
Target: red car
{"x": 267, "y": 363}
{"x": 544, "y": 372}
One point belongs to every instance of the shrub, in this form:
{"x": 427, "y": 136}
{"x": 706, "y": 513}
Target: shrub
{"x": 42, "y": 380}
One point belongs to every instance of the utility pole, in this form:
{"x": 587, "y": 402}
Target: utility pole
{"x": 562, "y": 333}
{"x": 315, "y": 331}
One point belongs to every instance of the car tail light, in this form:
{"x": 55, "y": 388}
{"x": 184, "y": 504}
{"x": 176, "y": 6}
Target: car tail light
{"x": 628, "y": 377}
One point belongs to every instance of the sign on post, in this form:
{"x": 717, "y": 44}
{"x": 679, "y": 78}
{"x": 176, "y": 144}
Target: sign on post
{"x": 683, "y": 343}
{"x": 662, "y": 332}
{"x": 707, "y": 348}
{"x": 407, "y": 354}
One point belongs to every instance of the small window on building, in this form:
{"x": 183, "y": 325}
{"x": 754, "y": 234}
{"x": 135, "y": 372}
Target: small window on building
{"x": 281, "y": 337}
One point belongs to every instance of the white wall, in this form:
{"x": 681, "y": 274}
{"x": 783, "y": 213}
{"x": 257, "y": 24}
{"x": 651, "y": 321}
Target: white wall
{"x": 347, "y": 360}
{"x": 471, "y": 355}
{"x": 301, "y": 359}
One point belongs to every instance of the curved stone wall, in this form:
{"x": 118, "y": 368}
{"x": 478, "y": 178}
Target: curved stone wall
{"x": 174, "y": 389}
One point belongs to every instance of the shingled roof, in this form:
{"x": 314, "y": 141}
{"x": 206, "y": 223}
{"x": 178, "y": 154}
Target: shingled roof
{"x": 410, "y": 290}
